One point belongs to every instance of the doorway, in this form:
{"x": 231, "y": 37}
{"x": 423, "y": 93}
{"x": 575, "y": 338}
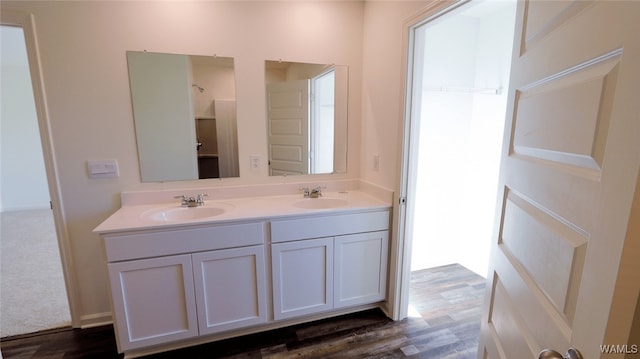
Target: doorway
{"x": 34, "y": 295}
{"x": 460, "y": 76}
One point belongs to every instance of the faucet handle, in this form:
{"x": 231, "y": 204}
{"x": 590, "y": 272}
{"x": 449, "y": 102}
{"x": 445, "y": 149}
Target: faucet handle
{"x": 316, "y": 192}
{"x": 306, "y": 191}
{"x": 185, "y": 200}
{"x": 200, "y": 198}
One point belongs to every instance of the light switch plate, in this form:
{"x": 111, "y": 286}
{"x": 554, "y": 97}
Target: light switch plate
{"x": 255, "y": 162}
{"x": 103, "y": 168}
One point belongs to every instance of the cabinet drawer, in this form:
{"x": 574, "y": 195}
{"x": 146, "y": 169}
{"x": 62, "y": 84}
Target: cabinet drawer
{"x": 327, "y": 226}
{"x": 189, "y": 240}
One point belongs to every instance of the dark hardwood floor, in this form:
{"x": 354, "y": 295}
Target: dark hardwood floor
{"x": 448, "y": 299}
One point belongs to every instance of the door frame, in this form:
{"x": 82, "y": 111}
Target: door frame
{"x": 26, "y": 21}
{"x": 400, "y": 261}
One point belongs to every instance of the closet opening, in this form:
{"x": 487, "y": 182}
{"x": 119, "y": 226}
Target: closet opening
{"x": 460, "y": 78}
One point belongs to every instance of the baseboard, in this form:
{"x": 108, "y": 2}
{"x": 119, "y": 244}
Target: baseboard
{"x": 96, "y": 320}
{"x": 24, "y": 208}
{"x": 136, "y": 353}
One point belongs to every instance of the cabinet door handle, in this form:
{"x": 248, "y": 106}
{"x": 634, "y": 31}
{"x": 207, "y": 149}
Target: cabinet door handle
{"x": 572, "y": 353}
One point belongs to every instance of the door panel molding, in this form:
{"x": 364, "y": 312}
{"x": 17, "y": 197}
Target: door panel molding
{"x": 507, "y": 326}
{"x": 540, "y": 320}
{"x": 542, "y": 119}
{"x": 542, "y": 22}
{"x": 550, "y": 249}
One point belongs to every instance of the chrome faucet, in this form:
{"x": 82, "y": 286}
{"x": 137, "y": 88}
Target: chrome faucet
{"x": 187, "y": 201}
{"x": 316, "y": 192}
{"x": 190, "y": 201}
{"x": 313, "y": 192}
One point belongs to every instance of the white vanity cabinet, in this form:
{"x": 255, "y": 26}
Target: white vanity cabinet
{"x": 198, "y": 281}
{"x": 328, "y": 262}
{"x": 252, "y": 269}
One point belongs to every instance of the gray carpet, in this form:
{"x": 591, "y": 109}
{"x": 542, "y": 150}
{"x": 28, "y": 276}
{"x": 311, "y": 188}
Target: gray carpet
{"x": 32, "y": 291}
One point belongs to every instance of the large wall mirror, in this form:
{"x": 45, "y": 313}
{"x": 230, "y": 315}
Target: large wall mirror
{"x": 306, "y": 118}
{"x": 184, "y": 111}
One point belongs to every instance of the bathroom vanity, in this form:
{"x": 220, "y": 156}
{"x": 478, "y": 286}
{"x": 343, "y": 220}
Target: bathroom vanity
{"x": 184, "y": 276}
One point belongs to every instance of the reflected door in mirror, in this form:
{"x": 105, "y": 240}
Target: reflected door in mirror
{"x": 288, "y": 116}
{"x": 163, "y": 113}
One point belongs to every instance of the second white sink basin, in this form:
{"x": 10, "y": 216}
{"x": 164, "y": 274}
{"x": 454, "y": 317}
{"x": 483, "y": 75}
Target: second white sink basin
{"x": 321, "y": 203}
{"x": 175, "y": 214}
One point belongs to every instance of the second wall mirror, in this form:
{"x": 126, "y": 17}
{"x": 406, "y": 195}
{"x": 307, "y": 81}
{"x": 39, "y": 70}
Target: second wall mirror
{"x": 306, "y": 118}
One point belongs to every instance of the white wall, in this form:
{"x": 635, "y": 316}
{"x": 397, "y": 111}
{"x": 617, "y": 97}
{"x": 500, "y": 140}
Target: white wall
{"x": 493, "y": 65}
{"x": 82, "y": 48}
{"x": 382, "y": 81}
{"x": 23, "y": 181}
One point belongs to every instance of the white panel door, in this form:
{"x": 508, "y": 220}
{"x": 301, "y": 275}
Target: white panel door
{"x": 302, "y": 277}
{"x": 288, "y": 117}
{"x": 230, "y": 288}
{"x": 164, "y": 115}
{"x": 569, "y": 169}
{"x": 153, "y": 301}
{"x": 360, "y": 272}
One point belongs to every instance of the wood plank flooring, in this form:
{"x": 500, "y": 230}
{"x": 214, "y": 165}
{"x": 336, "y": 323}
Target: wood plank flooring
{"x": 448, "y": 298}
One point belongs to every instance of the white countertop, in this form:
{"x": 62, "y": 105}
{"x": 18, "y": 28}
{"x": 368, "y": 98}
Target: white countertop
{"x": 134, "y": 217}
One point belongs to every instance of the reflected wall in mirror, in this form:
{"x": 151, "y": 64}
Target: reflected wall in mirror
{"x": 184, "y": 112}
{"x": 306, "y": 118}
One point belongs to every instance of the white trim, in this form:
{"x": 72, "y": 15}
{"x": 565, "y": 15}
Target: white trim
{"x": 96, "y": 320}
{"x": 23, "y": 208}
{"x": 27, "y": 23}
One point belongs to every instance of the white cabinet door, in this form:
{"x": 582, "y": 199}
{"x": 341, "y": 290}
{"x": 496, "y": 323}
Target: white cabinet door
{"x": 153, "y": 301}
{"x": 302, "y": 277}
{"x": 360, "y": 268}
{"x": 230, "y": 288}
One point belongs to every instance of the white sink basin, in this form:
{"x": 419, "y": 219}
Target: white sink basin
{"x": 321, "y": 203}
{"x": 176, "y": 214}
